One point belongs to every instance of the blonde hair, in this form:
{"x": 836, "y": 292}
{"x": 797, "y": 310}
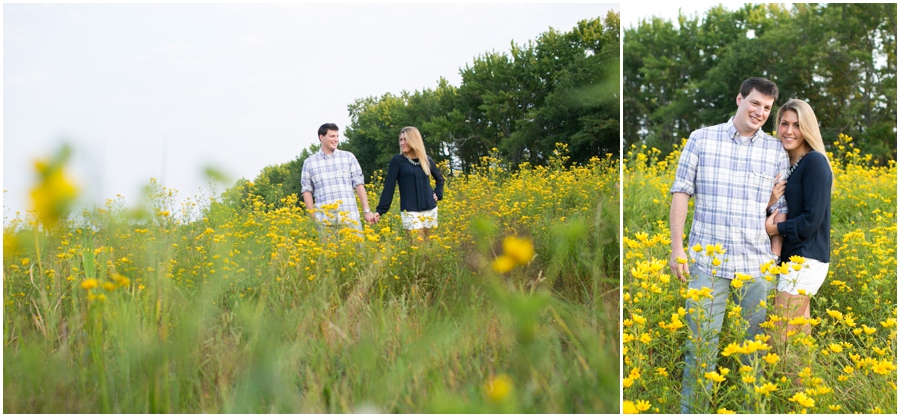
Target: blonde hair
{"x": 809, "y": 127}
{"x": 415, "y": 142}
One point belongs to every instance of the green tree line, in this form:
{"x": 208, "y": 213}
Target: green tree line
{"x": 560, "y": 87}
{"x": 840, "y": 58}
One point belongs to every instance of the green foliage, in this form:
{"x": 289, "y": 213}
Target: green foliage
{"x": 560, "y": 88}
{"x": 274, "y": 184}
{"x": 680, "y": 76}
{"x": 251, "y": 308}
{"x": 840, "y": 357}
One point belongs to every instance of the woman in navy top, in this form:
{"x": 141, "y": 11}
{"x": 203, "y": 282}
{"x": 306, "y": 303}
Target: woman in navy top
{"x": 807, "y": 230}
{"x": 412, "y": 171}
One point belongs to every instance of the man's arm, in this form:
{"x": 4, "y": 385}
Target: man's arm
{"x": 308, "y": 199}
{"x": 306, "y": 187}
{"x": 364, "y": 199}
{"x": 677, "y": 217}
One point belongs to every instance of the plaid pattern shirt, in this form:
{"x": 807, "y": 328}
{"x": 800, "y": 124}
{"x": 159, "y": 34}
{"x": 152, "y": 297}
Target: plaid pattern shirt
{"x": 731, "y": 181}
{"x": 333, "y": 178}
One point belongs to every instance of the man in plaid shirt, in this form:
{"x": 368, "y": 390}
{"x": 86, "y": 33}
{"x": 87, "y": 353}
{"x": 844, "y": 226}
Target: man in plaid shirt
{"x": 729, "y": 169}
{"x": 330, "y": 176}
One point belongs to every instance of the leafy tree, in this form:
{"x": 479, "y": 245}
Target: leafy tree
{"x": 561, "y": 87}
{"x": 839, "y": 57}
{"x": 273, "y": 184}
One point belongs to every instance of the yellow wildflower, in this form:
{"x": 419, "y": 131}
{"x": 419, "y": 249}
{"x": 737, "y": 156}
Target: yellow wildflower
{"x": 642, "y": 405}
{"x": 520, "y": 250}
{"x": 503, "y": 264}
{"x": 765, "y": 389}
{"x": 714, "y": 376}
{"x": 498, "y": 388}
{"x": 628, "y": 407}
{"x": 803, "y": 400}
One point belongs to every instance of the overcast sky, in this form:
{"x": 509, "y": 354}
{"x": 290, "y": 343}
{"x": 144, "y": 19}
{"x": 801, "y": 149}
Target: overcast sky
{"x": 164, "y": 90}
{"x": 633, "y": 12}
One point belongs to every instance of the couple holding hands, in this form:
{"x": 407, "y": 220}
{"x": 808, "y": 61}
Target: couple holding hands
{"x": 330, "y": 176}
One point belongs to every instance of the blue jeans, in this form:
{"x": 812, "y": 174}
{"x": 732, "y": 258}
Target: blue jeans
{"x": 707, "y": 348}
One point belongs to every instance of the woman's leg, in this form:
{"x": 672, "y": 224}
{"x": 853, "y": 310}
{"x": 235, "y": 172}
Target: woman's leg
{"x": 418, "y": 234}
{"x": 791, "y": 306}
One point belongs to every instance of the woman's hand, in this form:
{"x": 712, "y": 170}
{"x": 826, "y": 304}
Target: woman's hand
{"x": 777, "y": 190}
{"x": 771, "y": 226}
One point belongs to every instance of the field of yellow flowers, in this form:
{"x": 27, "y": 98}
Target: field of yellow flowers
{"x": 199, "y": 307}
{"x": 846, "y": 365}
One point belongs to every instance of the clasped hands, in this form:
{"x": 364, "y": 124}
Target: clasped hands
{"x": 375, "y": 217}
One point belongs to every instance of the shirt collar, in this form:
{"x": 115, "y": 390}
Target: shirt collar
{"x": 736, "y": 136}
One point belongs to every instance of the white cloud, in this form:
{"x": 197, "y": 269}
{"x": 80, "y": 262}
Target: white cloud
{"x": 25, "y": 79}
{"x": 177, "y": 46}
{"x": 252, "y": 40}
{"x": 187, "y": 63}
{"x": 140, "y": 58}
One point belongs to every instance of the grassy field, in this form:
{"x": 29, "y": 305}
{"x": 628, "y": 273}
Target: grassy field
{"x": 196, "y": 307}
{"x": 846, "y": 365}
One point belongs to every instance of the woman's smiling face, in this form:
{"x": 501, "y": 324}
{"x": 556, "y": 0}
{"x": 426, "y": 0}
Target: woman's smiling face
{"x": 404, "y": 147}
{"x": 789, "y": 131}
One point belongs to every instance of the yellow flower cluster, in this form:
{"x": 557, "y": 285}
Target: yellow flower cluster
{"x": 853, "y": 320}
{"x": 516, "y": 251}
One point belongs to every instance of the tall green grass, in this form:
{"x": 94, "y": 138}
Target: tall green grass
{"x": 252, "y": 311}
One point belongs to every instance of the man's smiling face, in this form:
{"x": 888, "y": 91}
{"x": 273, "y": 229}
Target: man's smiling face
{"x": 752, "y": 112}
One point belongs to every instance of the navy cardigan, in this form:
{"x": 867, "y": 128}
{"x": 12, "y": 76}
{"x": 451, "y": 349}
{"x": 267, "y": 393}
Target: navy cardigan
{"x": 807, "y": 231}
{"x": 416, "y": 193}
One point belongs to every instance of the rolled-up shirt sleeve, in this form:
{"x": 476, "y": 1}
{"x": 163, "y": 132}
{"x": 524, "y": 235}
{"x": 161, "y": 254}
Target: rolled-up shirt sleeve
{"x": 306, "y": 183}
{"x": 783, "y": 166}
{"x": 686, "y": 173}
{"x": 356, "y": 174}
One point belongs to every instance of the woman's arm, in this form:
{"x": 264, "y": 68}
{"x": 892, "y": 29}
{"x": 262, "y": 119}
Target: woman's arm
{"x": 438, "y": 179}
{"x": 390, "y": 182}
{"x": 777, "y": 191}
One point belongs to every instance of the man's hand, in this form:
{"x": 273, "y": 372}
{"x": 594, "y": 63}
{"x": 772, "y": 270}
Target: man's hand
{"x": 435, "y": 197}
{"x": 678, "y": 263}
{"x": 308, "y": 201}
{"x": 377, "y": 217}
{"x": 370, "y": 218}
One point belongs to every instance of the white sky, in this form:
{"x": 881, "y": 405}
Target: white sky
{"x": 164, "y": 90}
{"x": 633, "y": 12}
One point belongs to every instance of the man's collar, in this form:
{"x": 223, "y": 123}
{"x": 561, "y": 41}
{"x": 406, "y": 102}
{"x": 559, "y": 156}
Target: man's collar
{"x": 735, "y": 135}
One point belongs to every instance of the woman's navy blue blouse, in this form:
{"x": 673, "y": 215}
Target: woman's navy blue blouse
{"x": 807, "y": 231}
{"x": 416, "y": 193}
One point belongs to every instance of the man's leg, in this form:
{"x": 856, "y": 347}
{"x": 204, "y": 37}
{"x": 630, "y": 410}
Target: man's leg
{"x": 705, "y": 322}
{"x": 751, "y": 298}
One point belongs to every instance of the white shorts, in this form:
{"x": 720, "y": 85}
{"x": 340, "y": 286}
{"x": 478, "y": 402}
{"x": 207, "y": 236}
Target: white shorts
{"x": 414, "y": 220}
{"x": 809, "y": 278}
